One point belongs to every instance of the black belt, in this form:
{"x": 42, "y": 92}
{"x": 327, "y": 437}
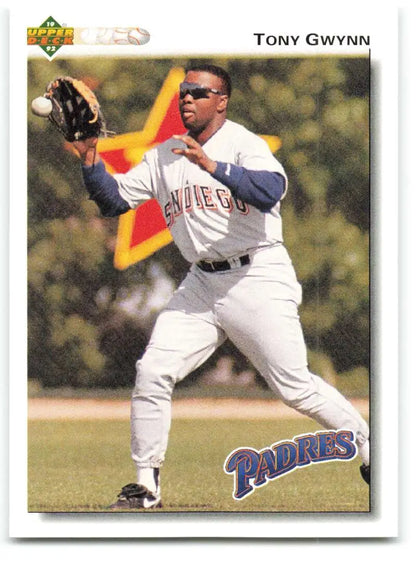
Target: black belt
{"x": 219, "y": 265}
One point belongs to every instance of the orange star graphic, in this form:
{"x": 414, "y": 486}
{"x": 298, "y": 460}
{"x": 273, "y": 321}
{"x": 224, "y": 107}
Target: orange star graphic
{"x": 143, "y": 231}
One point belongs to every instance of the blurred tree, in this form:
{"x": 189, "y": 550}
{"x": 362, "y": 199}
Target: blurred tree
{"x": 88, "y": 322}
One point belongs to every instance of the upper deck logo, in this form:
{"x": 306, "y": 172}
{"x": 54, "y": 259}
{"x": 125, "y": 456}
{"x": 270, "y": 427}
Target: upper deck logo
{"x": 50, "y": 36}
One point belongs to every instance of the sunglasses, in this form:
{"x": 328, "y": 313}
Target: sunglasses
{"x": 196, "y": 91}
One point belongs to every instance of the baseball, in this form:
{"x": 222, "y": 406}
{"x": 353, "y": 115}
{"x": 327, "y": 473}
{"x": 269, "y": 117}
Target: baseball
{"x": 120, "y": 36}
{"x": 105, "y": 36}
{"x": 138, "y": 36}
{"x": 89, "y": 36}
{"x": 41, "y": 106}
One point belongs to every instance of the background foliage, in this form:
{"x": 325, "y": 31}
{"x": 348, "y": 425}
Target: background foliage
{"x": 88, "y": 323}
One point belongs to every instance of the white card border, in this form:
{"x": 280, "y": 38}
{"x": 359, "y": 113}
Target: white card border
{"x": 383, "y": 524}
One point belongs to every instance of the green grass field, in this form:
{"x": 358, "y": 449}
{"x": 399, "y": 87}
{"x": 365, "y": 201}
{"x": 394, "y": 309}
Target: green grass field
{"x": 80, "y": 466}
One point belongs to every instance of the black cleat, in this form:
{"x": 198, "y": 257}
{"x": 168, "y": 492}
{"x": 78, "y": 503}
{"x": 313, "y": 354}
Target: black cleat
{"x": 365, "y": 473}
{"x": 134, "y": 496}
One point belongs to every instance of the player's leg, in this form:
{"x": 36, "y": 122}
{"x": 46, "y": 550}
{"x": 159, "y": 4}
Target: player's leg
{"x": 264, "y": 324}
{"x": 185, "y": 335}
{"x": 180, "y": 343}
{"x": 273, "y": 342}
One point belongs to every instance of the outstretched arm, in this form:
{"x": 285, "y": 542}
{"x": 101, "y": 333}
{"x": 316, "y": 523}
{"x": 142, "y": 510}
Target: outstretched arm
{"x": 101, "y": 186}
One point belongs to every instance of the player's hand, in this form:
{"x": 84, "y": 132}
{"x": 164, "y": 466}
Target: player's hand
{"x": 195, "y": 153}
{"x": 87, "y": 150}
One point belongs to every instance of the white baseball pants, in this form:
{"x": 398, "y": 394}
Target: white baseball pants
{"x": 255, "y": 306}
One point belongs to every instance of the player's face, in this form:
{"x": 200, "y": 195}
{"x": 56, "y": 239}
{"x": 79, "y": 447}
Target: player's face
{"x": 202, "y": 109}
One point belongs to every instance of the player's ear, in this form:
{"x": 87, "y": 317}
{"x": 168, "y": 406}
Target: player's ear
{"x": 222, "y": 103}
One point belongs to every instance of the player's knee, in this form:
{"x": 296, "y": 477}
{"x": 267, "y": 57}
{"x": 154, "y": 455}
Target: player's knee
{"x": 294, "y": 387}
{"x": 297, "y": 396}
{"x": 153, "y": 378}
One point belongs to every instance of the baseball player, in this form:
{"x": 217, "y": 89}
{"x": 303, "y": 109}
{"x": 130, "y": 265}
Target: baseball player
{"x": 219, "y": 188}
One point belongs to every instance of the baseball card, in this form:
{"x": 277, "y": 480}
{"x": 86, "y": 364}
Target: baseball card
{"x": 203, "y": 217}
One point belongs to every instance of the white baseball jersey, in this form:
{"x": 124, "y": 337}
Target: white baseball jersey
{"x": 205, "y": 220}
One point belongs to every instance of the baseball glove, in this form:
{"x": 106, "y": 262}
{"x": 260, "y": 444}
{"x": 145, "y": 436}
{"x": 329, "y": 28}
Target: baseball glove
{"x": 75, "y": 111}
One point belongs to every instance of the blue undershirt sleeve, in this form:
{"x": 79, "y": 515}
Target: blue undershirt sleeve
{"x": 262, "y": 188}
{"x": 103, "y": 189}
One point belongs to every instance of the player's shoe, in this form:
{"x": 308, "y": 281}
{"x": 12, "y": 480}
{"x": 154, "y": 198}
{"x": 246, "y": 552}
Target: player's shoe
{"x": 365, "y": 473}
{"x": 135, "y": 496}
